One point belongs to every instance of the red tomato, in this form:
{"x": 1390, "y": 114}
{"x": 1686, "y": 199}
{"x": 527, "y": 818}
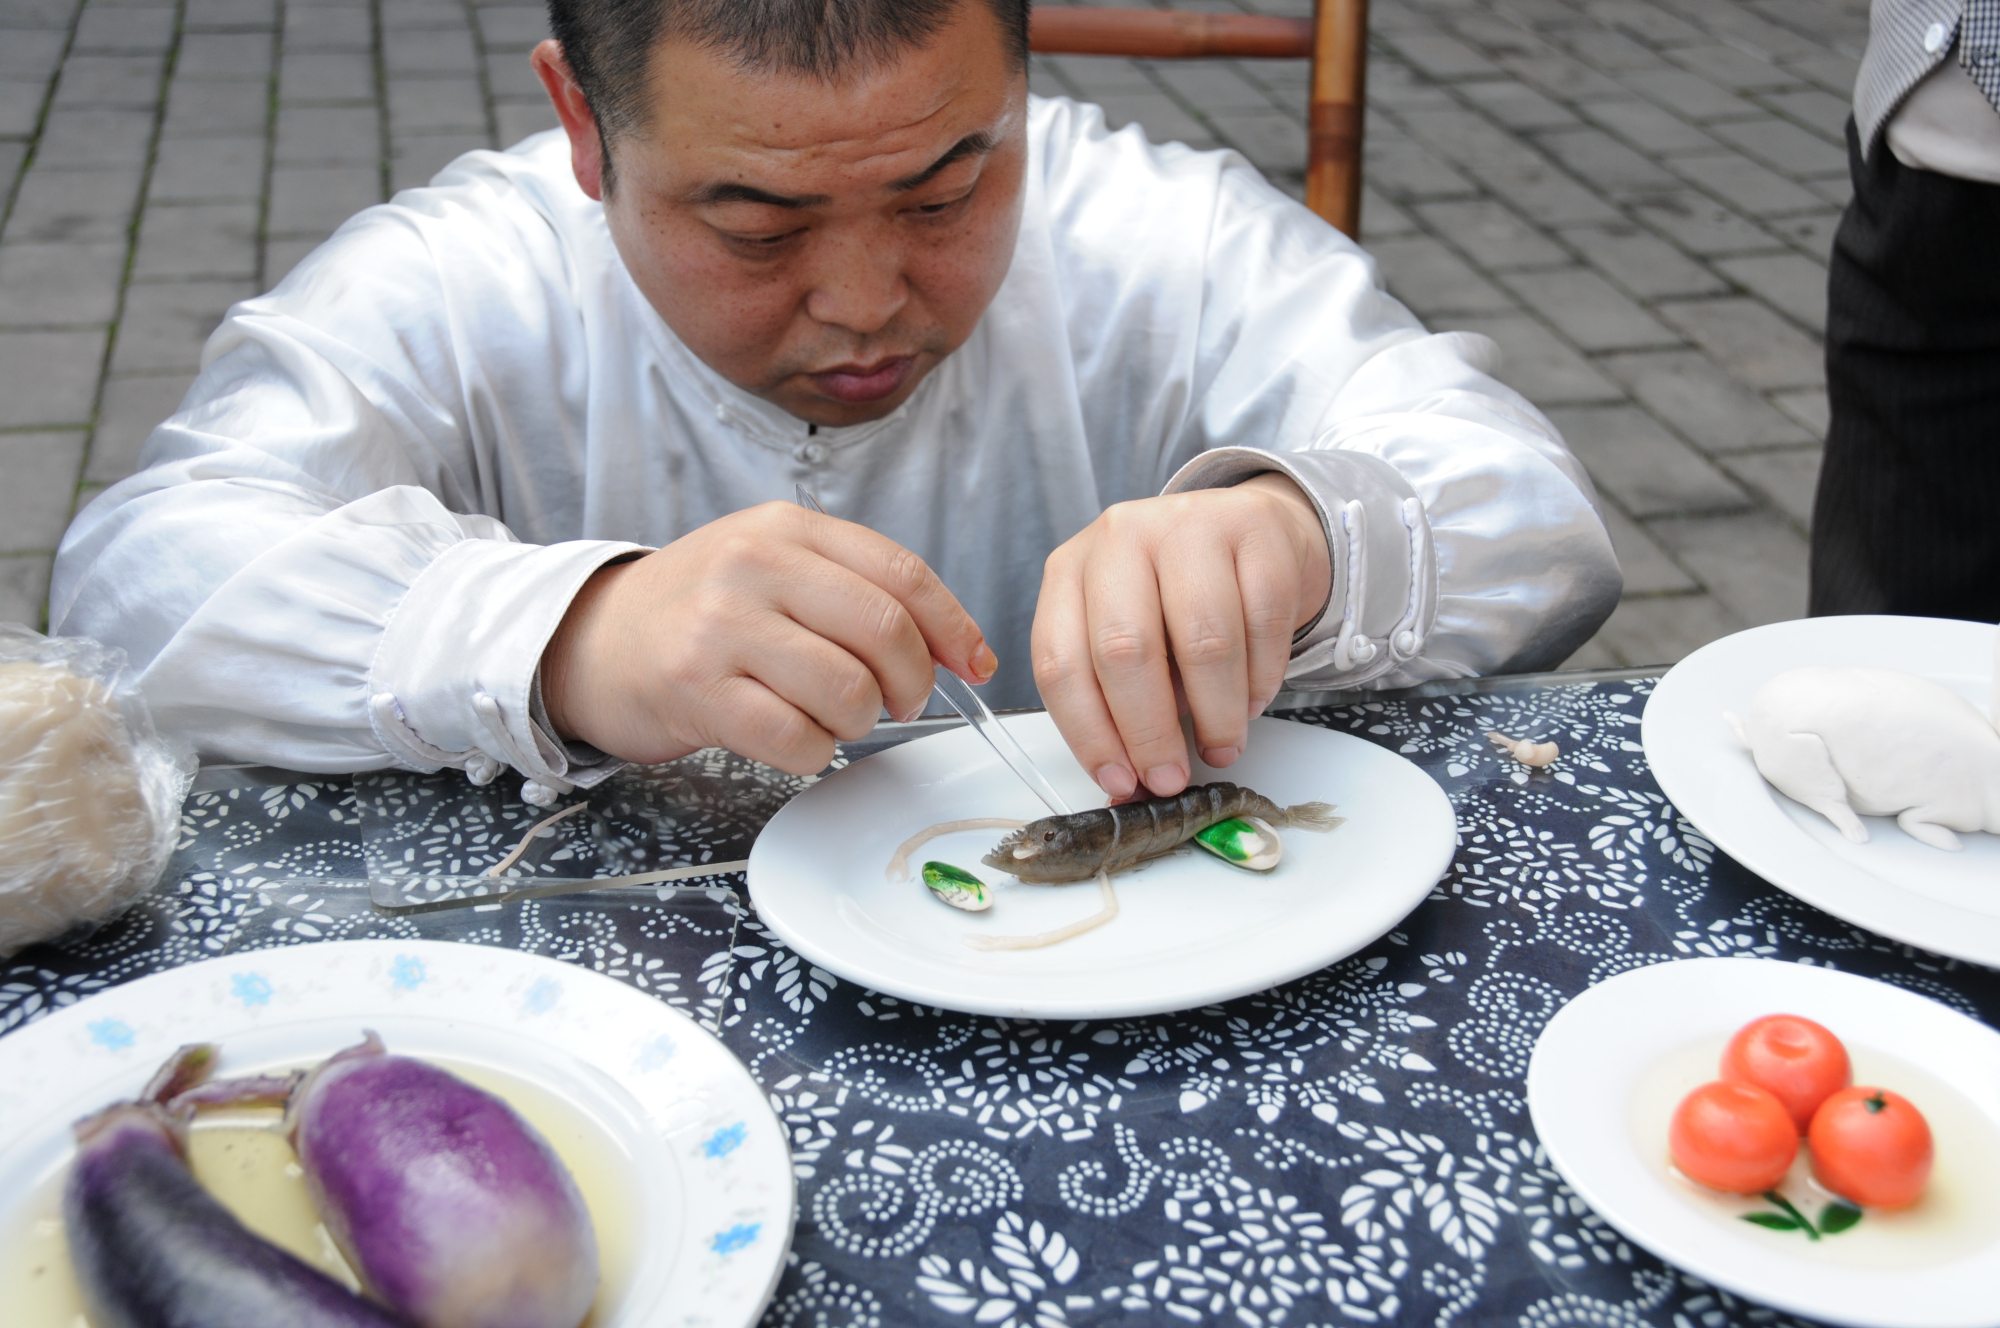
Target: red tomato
{"x": 1734, "y": 1137}
{"x": 1870, "y": 1145}
{"x": 1794, "y": 1059}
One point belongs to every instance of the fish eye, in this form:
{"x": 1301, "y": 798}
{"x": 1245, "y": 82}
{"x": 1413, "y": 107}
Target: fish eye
{"x": 1048, "y": 836}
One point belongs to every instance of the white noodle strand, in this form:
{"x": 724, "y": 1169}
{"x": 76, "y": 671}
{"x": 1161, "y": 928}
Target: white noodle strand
{"x": 1042, "y": 938}
{"x": 899, "y": 865}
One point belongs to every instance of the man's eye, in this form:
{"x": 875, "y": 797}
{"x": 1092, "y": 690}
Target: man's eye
{"x": 761, "y": 242}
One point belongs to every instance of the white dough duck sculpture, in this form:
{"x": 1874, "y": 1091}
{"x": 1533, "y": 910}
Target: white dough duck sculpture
{"x": 1851, "y": 742}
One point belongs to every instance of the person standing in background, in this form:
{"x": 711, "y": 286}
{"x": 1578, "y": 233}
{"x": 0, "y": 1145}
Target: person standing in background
{"x": 1907, "y": 516}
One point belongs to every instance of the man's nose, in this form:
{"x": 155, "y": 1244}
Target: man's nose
{"x": 859, "y": 283}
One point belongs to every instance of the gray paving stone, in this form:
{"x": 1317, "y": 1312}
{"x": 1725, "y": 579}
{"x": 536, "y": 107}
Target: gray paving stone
{"x": 1701, "y": 225}
{"x": 200, "y": 170}
{"x": 1096, "y": 75}
{"x": 1516, "y": 105}
{"x": 281, "y": 256}
{"x": 1835, "y": 189}
{"x": 1272, "y": 140}
{"x": 224, "y": 56}
{"x": 312, "y": 200}
{"x": 1685, "y": 389}
{"x": 129, "y": 82}
{"x": 1493, "y": 236}
{"x": 1535, "y": 186}
{"x": 518, "y": 119}
{"x": 1535, "y": 363}
{"x": 1160, "y": 115}
{"x": 1783, "y": 146}
{"x": 1588, "y": 310}
{"x": 415, "y": 15}
{"x": 76, "y": 136}
{"x": 1815, "y": 109}
{"x": 41, "y": 471}
{"x": 512, "y": 78}
{"x": 1439, "y": 55}
{"x": 31, "y": 14}
{"x": 1747, "y": 31}
{"x": 1653, "y": 25}
{"x": 419, "y": 157}
{"x": 521, "y": 119}
{"x": 24, "y": 589}
{"x": 1641, "y": 262}
{"x": 1637, "y": 462}
{"x": 207, "y": 110}
{"x": 1743, "y": 184}
{"x": 1648, "y": 568}
{"x": 1408, "y": 171}
{"x": 102, "y": 29}
{"x": 75, "y": 205}
{"x": 1833, "y": 71}
{"x": 12, "y": 153}
{"x": 327, "y": 27}
{"x": 1812, "y": 233}
{"x": 206, "y": 15}
{"x": 31, "y": 56}
{"x": 1663, "y": 629}
{"x": 21, "y": 103}
{"x": 1213, "y": 86}
{"x": 1592, "y": 654}
{"x": 133, "y": 408}
{"x": 1687, "y": 94}
{"x": 1808, "y": 406}
{"x": 164, "y": 324}
{"x": 1732, "y": 69}
{"x": 1648, "y": 127}
{"x": 313, "y": 75}
{"x": 48, "y": 378}
{"x": 216, "y": 241}
{"x": 1433, "y": 281}
{"x": 1790, "y": 282}
{"x": 1787, "y": 478}
{"x": 1606, "y": 164}
{"x": 1752, "y": 344}
{"x": 438, "y": 51}
{"x": 1754, "y": 563}
{"x": 1391, "y": 84}
{"x": 328, "y": 136}
{"x": 60, "y": 284}
{"x": 513, "y": 25}
{"x": 1611, "y": 51}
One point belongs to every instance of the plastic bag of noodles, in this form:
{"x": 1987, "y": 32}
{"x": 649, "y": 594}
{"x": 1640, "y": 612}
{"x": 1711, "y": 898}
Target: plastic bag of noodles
{"x": 90, "y": 797}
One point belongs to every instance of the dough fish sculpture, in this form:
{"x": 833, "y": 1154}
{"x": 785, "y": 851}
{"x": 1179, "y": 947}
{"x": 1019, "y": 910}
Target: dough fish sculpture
{"x": 1237, "y": 824}
{"x": 1853, "y": 742}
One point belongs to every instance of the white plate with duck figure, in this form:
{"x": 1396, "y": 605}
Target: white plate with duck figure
{"x": 686, "y": 1172}
{"x": 1191, "y": 930}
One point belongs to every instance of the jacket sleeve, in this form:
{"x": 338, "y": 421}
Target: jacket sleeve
{"x": 307, "y": 571}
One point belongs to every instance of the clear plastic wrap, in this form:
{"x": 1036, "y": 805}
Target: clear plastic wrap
{"x": 90, "y": 796}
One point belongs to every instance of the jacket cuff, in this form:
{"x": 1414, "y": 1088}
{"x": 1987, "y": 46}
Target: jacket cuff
{"x": 454, "y": 679}
{"x": 1382, "y": 603}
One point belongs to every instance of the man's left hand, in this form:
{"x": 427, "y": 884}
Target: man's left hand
{"x": 1181, "y": 604}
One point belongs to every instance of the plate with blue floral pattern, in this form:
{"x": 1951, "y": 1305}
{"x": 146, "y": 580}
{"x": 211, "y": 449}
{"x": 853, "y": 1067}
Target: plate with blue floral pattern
{"x": 686, "y": 1170}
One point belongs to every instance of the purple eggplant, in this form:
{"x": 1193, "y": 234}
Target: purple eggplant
{"x": 153, "y": 1249}
{"x": 448, "y": 1206}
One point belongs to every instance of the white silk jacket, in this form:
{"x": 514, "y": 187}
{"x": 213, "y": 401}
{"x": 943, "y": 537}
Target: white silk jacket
{"x": 349, "y": 547}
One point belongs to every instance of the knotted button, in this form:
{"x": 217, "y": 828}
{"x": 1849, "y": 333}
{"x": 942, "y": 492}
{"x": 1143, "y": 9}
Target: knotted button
{"x": 812, "y": 454}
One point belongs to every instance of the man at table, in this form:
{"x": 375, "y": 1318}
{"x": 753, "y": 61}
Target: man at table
{"x": 497, "y": 477}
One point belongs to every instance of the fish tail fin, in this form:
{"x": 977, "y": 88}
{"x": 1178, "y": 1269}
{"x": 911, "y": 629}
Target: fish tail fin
{"x": 1315, "y": 816}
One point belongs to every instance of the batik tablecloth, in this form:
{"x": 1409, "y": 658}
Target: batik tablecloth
{"x": 1352, "y": 1147}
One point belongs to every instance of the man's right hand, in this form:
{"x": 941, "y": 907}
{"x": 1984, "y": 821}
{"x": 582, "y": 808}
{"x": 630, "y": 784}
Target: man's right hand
{"x": 770, "y": 632}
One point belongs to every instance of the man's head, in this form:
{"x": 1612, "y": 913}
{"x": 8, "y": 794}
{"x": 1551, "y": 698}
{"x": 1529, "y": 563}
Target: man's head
{"x": 819, "y": 196}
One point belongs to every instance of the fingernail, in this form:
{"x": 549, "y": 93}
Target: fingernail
{"x": 1220, "y": 756}
{"x": 1116, "y": 780}
{"x": 1166, "y": 779}
{"x": 984, "y": 663}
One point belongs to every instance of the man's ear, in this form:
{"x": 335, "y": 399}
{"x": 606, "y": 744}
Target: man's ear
{"x": 586, "y": 144}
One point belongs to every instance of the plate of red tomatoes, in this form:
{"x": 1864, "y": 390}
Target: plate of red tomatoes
{"x": 1823, "y": 1143}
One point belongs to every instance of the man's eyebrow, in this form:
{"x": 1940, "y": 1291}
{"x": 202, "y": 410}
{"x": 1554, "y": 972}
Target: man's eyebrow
{"x": 972, "y": 145}
{"x": 743, "y": 193}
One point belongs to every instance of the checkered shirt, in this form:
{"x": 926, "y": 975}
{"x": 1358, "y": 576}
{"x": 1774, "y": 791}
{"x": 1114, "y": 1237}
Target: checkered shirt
{"x": 1907, "y": 39}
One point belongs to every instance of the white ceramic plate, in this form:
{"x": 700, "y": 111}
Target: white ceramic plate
{"x": 710, "y": 1202}
{"x": 1191, "y": 930}
{"x": 1946, "y": 902}
{"x": 1610, "y": 1067}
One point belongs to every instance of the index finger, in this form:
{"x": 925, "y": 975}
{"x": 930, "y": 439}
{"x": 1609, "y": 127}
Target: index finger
{"x": 949, "y": 632}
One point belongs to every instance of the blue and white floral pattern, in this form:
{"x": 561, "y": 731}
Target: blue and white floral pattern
{"x": 1349, "y": 1148}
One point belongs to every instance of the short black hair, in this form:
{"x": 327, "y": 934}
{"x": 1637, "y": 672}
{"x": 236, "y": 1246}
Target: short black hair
{"x": 609, "y": 43}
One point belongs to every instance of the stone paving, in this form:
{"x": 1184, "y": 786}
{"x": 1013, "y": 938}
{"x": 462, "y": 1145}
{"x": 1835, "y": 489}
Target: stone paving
{"x": 1635, "y": 198}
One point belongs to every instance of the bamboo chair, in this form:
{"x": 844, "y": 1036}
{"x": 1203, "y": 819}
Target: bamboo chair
{"x": 1335, "y": 40}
